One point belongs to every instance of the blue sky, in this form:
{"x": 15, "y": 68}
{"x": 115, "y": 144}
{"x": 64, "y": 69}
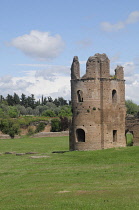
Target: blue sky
{"x": 38, "y": 39}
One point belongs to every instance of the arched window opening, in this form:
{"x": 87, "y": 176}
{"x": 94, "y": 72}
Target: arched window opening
{"x": 80, "y": 135}
{"x": 80, "y": 95}
{"x": 114, "y": 96}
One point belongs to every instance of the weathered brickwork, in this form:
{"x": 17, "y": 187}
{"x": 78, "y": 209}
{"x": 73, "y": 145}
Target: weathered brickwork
{"x": 98, "y": 104}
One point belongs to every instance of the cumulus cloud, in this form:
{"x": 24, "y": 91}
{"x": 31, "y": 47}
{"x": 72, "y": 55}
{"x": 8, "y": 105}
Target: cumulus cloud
{"x": 46, "y": 75}
{"x": 109, "y": 27}
{"x": 51, "y": 81}
{"x": 133, "y": 17}
{"x": 39, "y": 45}
{"x": 131, "y": 90}
{"x": 9, "y": 85}
{"x": 131, "y": 81}
{"x": 129, "y": 69}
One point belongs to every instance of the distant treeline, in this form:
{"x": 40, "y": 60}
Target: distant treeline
{"x": 30, "y": 101}
{"x": 14, "y": 106}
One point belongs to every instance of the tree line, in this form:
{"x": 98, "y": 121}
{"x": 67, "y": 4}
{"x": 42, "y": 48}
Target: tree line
{"x": 15, "y": 106}
{"x": 30, "y": 101}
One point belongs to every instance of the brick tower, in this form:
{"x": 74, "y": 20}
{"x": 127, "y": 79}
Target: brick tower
{"x": 98, "y": 104}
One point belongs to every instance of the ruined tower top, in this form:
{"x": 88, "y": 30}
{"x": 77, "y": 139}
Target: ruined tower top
{"x": 97, "y": 66}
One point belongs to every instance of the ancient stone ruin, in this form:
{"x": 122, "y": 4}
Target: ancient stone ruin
{"x": 98, "y": 104}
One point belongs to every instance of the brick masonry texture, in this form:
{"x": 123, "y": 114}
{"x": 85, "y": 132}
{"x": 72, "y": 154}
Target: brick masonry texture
{"x": 98, "y": 105}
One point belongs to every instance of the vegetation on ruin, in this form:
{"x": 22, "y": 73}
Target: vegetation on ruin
{"x": 103, "y": 179}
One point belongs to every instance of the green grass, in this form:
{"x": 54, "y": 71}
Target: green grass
{"x": 103, "y": 179}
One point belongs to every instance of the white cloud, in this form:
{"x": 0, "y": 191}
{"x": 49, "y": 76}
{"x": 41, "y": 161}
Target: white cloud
{"x": 132, "y": 90}
{"x": 131, "y": 81}
{"x": 129, "y": 69}
{"x": 39, "y": 45}
{"x": 133, "y": 17}
{"x": 53, "y": 81}
{"x": 109, "y": 27}
{"x": 106, "y": 26}
{"x": 9, "y": 85}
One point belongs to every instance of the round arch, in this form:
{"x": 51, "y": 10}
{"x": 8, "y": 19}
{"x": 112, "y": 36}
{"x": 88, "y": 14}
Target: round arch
{"x": 80, "y": 133}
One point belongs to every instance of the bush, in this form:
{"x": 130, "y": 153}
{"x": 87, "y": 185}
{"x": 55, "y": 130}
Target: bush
{"x": 30, "y": 131}
{"x": 55, "y": 125}
{"x": 9, "y": 127}
{"x": 48, "y": 113}
{"x": 40, "y": 127}
{"x": 65, "y": 111}
{"x": 65, "y": 122}
{"x": 13, "y": 112}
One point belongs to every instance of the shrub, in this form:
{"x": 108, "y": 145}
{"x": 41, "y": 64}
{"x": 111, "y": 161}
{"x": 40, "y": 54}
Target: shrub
{"x": 40, "y": 127}
{"x": 65, "y": 111}
{"x": 65, "y": 122}
{"x": 48, "y": 113}
{"x": 30, "y": 131}
{"x": 13, "y": 112}
{"x": 55, "y": 125}
{"x": 9, "y": 127}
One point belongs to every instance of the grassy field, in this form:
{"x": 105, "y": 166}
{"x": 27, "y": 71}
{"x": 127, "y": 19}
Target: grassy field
{"x": 106, "y": 179}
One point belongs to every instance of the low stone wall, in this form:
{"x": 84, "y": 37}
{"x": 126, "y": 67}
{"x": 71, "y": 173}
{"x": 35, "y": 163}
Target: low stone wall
{"x": 51, "y": 134}
{"x": 41, "y": 134}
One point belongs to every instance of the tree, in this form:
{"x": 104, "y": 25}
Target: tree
{"x": 21, "y": 109}
{"x": 1, "y": 113}
{"x": 10, "y": 100}
{"x": 50, "y": 99}
{"x": 29, "y": 111}
{"x": 13, "y": 112}
{"x": 23, "y": 100}
{"x": 16, "y": 99}
{"x": 9, "y": 127}
{"x": 48, "y": 113}
{"x": 65, "y": 111}
{"x": 65, "y": 123}
{"x": 132, "y": 108}
{"x": 55, "y": 125}
{"x": 60, "y": 101}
